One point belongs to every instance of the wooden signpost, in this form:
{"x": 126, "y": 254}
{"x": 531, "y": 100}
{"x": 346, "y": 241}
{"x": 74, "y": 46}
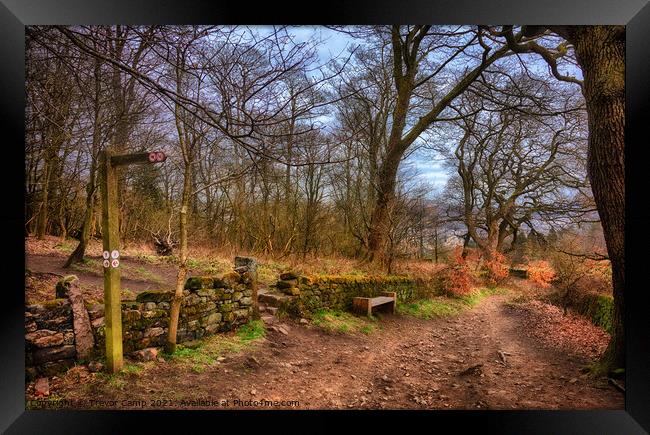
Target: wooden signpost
{"x": 111, "y": 248}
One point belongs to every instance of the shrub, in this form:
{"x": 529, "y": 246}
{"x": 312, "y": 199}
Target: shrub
{"x": 577, "y": 274}
{"x": 456, "y": 279}
{"x": 495, "y": 269}
{"x": 541, "y": 273}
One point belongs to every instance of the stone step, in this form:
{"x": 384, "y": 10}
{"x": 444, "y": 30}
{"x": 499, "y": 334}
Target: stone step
{"x": 272, "y": 310}
{"x": 269, "y": 319}
{"x": 271, "y": 299}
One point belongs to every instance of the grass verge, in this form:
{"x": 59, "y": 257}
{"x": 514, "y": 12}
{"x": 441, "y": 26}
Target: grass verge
{"x": 209, "y": 351}
{"x": 335, "y": 321}
{"x": 442, "y": 306}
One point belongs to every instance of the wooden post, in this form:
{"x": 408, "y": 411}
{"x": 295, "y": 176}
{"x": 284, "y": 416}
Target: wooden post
{"x": 111, "y": 243}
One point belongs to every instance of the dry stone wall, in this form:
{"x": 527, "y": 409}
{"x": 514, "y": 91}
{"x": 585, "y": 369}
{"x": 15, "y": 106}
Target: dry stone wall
{"x": 210, "y": 304}
{"x": 311, "y": 293}
{"x": 49, "y": 337}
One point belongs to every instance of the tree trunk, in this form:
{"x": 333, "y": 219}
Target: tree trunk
{"x": 77, "y": 255}
{"x": 600, "y": 51}
{"x": 41, "y": 226}
{"x": 182, "y": 268}
{"x": 184, "y": 143}
{"x": 435, "y": 246}
{"x": 379, "y": 220}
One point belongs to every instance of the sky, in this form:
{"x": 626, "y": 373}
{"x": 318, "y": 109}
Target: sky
{"x": 336, "y": 44}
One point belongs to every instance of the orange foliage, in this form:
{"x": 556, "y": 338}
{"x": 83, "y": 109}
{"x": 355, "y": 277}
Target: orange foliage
{"x": 456, "y": 279}
{"x": 495, "y": 269}
{"x": 541, "y": 273}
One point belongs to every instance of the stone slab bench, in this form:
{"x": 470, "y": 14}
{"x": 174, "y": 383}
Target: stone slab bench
{"x": 365, "y": 305}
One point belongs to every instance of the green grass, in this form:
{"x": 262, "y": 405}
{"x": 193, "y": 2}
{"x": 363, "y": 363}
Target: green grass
{"x": 198, "y": 368}
{"x": 342, "y": 322}
{"x": 114, "y": 380}
{"x": 268, "y": 272}
{"x": 430, "y": 308}
{"x": 89, "y": 265}
{"x": 476, "y": 296}
{"x": 215, "y": 266}
{"x": 215, "y": 346}
{"x": 127, "y": 295}
{"x": 66, "y": 246}
{"x": 139, "y": 273}
{"x": 442, "y": 306}
{"x": 147, "y": 258}
{"x": 252, "y": 330}
{"x": 193, "y": 263}
{"x": 147, "y": 275}
{"x": 132, "y": 369}
{"x": 194, "y": 356}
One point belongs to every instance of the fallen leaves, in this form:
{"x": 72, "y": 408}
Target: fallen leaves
{"x": 569, "y": 333}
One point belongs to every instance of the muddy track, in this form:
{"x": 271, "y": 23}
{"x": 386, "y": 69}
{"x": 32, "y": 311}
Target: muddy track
{"x": 92, "y": 281}
{"x": 447, "y": 363}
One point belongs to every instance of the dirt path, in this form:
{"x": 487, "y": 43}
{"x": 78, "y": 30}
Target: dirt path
{"x": 408, "y": 363}
{"x": 140, "y": 276}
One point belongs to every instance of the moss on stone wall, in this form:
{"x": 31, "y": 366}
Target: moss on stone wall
{"x": 210, "y": 304}
{"x": 335, "y": 292}
{"x": 600, "y": 310}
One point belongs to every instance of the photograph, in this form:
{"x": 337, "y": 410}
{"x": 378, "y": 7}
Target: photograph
{"x": 324, "y": 217}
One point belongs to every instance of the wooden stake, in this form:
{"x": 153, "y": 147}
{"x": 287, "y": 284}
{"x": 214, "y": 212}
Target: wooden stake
{"x": 111, "y": 242}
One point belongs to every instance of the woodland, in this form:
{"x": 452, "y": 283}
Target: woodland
{"x": 466, "y": 157}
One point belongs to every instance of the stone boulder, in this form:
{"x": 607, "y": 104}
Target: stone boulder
{"x": 286, "y": 276}
{"x": 147, "y": 354}
{"x": 42, "y": 387}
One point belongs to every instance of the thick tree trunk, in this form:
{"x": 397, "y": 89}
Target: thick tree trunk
{"x": 379, "y": 219}
{"x": 600, "y": 51}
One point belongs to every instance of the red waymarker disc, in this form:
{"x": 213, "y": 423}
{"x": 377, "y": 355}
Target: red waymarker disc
{"x": 160, "y": 156}
{"x": 152, "y": 157}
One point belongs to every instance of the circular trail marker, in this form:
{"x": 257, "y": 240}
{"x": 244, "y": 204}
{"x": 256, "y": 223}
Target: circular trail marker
{"x": 160, "y": 156}
{"x": 107, "y": 263}
{"x": 152, "y": 157}
{"x": 106, "y": 254}
{"x": 115, "y": 263}
{"x": 115, "y": 254}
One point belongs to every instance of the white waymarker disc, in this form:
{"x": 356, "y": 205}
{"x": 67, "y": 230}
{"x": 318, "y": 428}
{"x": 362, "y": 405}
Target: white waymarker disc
{"x": 115, "y": 254}
{"x": 152, "y": 157}
{"x": 115, "y": 263}
{"x": 107, "y": 263}
{"x": 106, "y": 254}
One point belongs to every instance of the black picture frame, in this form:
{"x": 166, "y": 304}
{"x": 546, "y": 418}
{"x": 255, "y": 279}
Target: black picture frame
{"x": 635, "y": 14}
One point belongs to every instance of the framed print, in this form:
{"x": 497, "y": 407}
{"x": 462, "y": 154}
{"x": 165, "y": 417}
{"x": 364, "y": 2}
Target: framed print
{"x": 235, "y": 209}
